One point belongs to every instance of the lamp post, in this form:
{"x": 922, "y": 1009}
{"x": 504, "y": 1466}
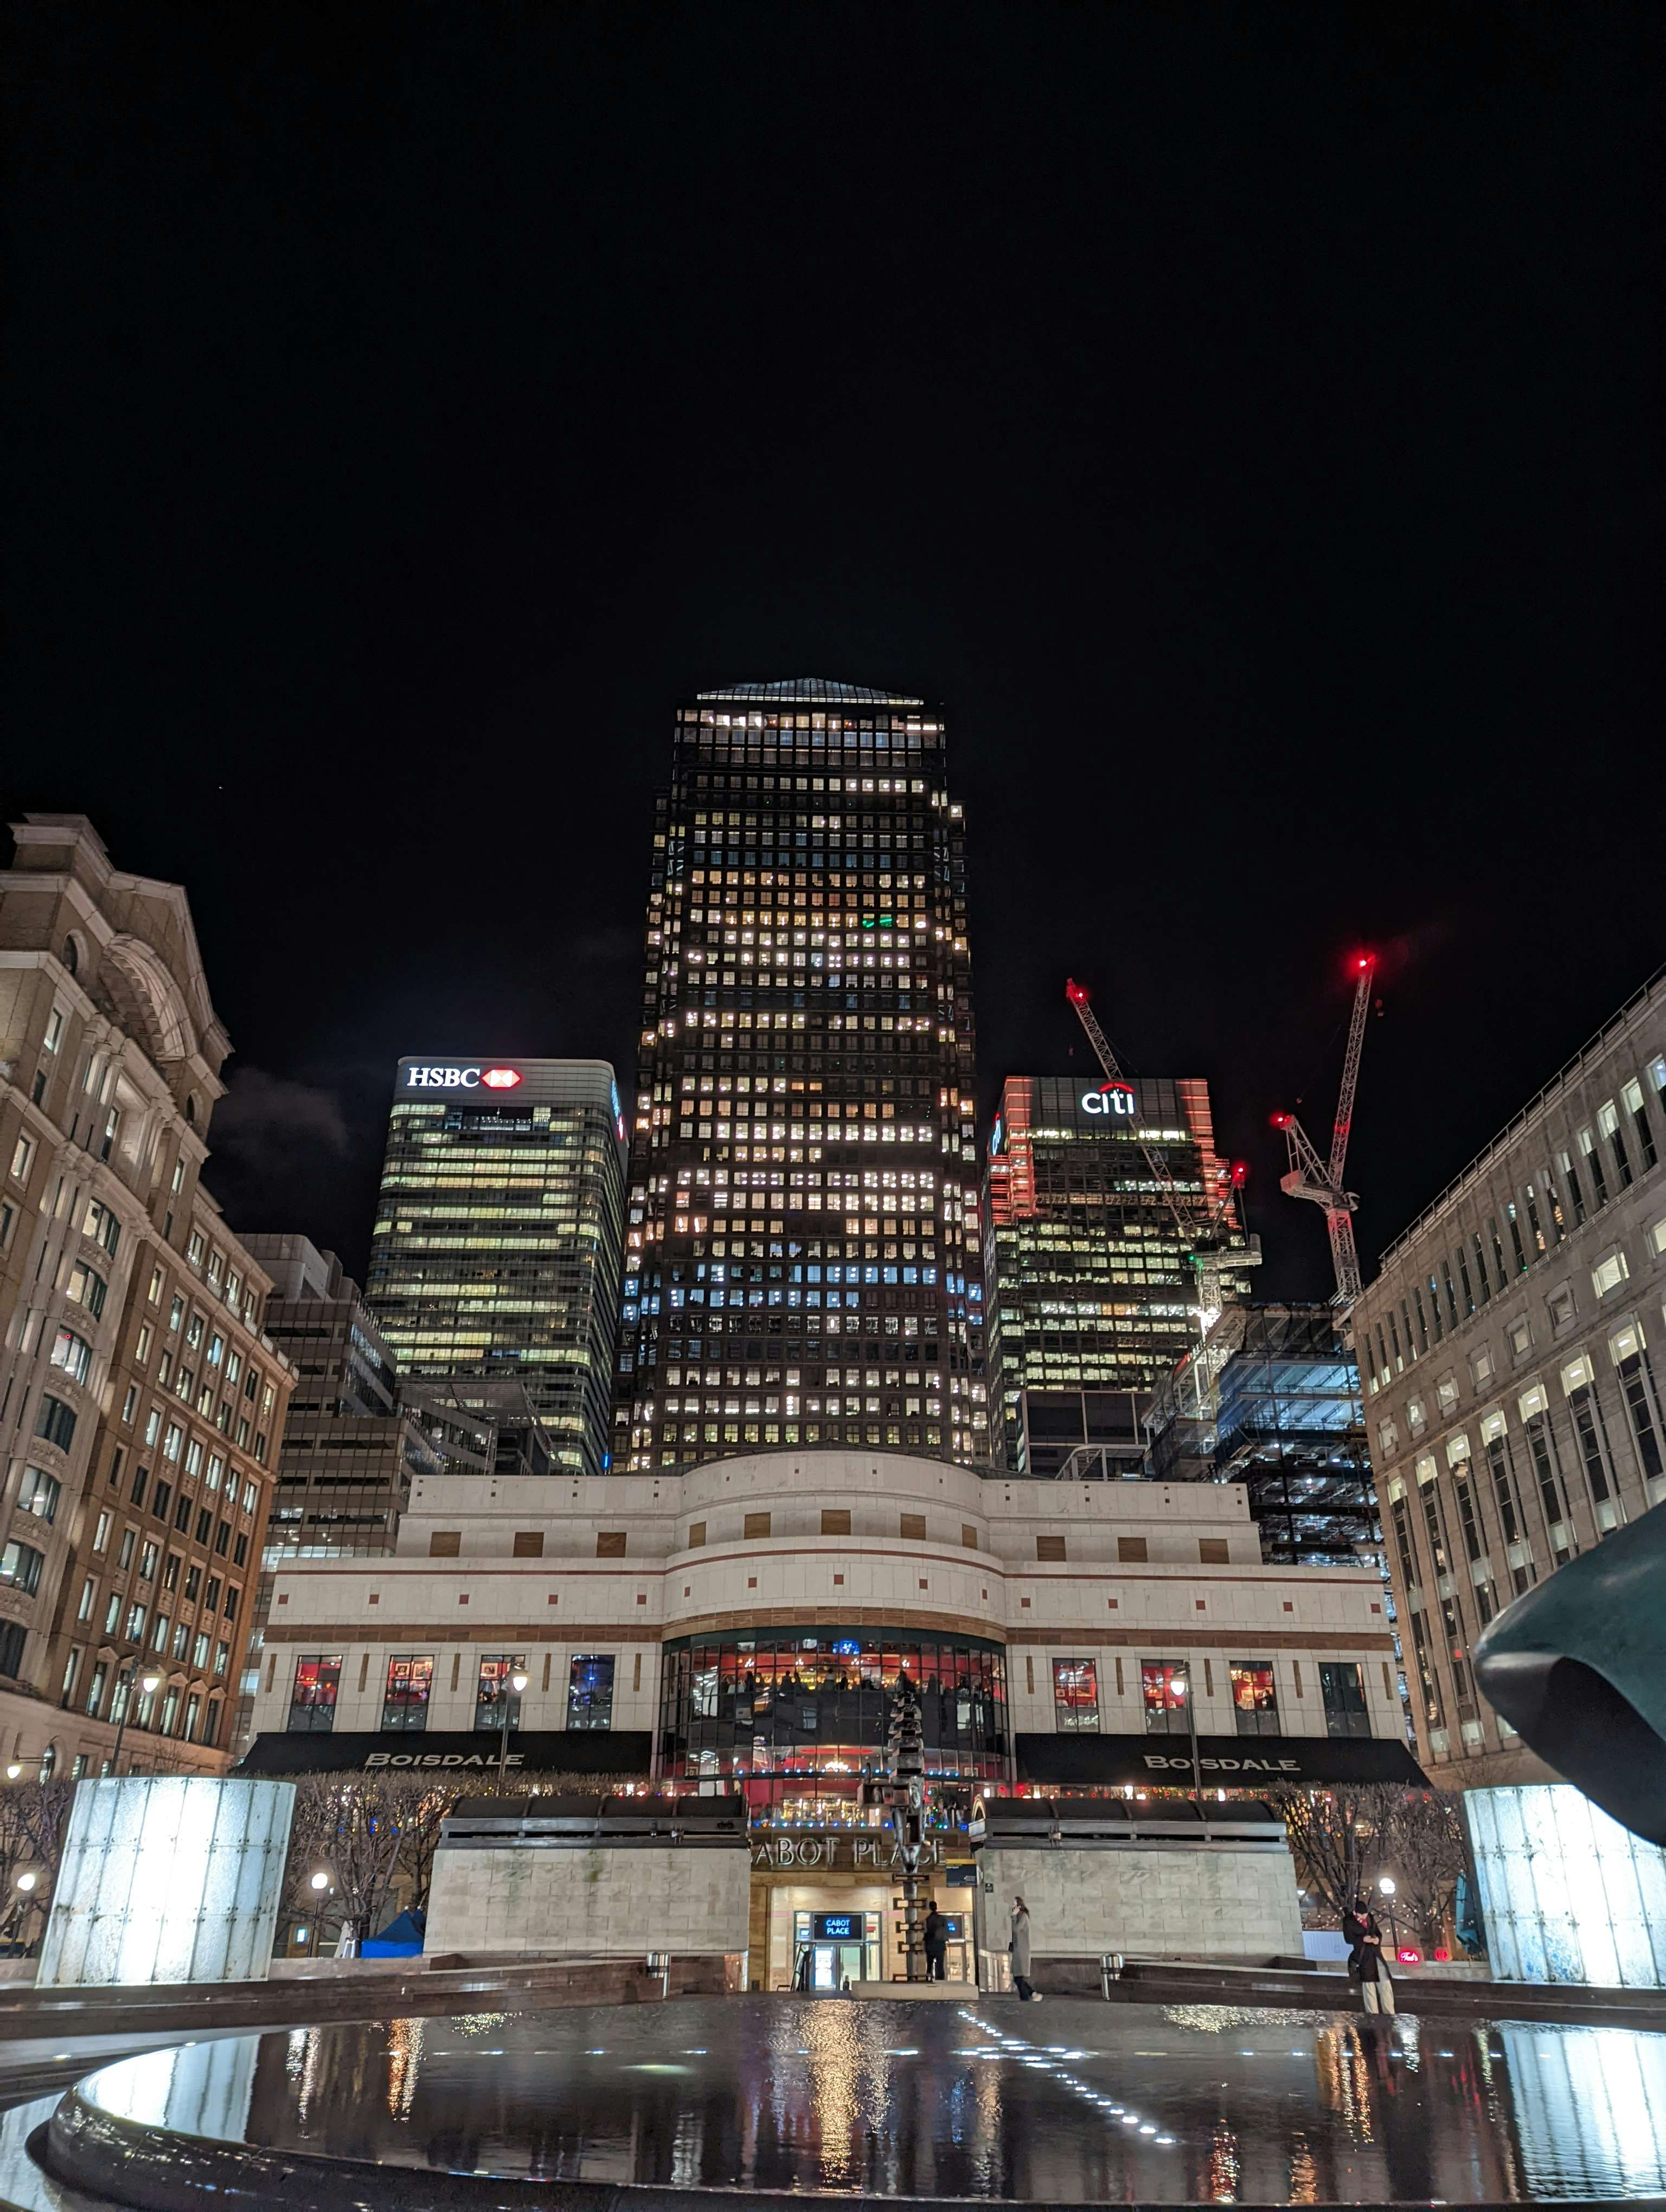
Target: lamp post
{"x": 148, "y": 1685}
{"x": 1386, "y": 1890}
{"x": 1180, "y": 1686}
{"x": 517, "y": 1683}
{"x": 18, "y": 1918}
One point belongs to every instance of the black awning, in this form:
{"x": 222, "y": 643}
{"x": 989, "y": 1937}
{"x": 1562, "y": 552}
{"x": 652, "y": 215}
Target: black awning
{"x": 1225, "y": 1762}
{"x": 623, "y": 1751}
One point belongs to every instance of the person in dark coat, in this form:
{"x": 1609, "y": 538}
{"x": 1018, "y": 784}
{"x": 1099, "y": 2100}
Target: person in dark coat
{"x": 1366, "y": 1964}
{"x": 937, "y": 1945}
{"x": 1019, "y": 1948}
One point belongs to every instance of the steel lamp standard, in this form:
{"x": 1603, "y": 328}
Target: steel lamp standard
{"x": 1385, "y": 1886}
{"x": 1180, "y": 1686}
{"x": 518, "y": 1684}
{"x": 148, "y": 1684}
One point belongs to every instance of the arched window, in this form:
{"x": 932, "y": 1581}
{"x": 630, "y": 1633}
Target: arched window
{"x": 71, "y": 955}
{"x": 191, "y": 1107}
{"x": 49, "y": 1762}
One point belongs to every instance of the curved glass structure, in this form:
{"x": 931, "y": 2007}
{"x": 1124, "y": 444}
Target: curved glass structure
{"x": 810, "y": 1709}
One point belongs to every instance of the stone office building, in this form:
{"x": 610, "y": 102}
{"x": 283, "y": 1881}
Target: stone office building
{"x": 141, "y": 1400}
{"x": 740, "y": 1627}
{"x": 1511, "y": 1350}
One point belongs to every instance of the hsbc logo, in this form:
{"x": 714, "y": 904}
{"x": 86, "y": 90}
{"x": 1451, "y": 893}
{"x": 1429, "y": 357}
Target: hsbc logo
{"x": 1110, "y": 1099}
{"x": 450, "y": 1077}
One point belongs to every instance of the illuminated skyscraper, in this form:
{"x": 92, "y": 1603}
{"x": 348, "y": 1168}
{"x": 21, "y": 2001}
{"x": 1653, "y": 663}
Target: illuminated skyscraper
{"x": 496, "y": 1253}
{"x": 802, "y": 1251}
{"x": 1093, "y": 1299}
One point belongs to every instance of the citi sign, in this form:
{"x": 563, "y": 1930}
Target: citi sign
{"x": 449, "y": 1077}
{"x": 1110, "y": 1099}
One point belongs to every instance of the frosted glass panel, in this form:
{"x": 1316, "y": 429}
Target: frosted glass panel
{"x": 1566, "y": 1893}
{"x": 168, "y": 1878}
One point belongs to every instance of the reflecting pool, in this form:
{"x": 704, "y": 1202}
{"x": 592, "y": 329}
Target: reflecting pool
{"x": 1071, "y": 2102}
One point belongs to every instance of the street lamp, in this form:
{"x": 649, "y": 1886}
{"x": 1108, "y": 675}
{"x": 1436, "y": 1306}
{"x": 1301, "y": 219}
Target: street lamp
{"x": 319, "y": 1881}
{"x": 1180, "y": 1686}
{"x": 516, "y": 1682}
{"x": 148, "y": 1684}
{"x": 13, "y": 1772}
{"x": 1386, "y": 1889}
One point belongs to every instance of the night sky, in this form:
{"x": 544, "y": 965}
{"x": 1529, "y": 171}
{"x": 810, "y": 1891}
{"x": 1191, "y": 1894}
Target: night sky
{"x": 1245, "y": 421}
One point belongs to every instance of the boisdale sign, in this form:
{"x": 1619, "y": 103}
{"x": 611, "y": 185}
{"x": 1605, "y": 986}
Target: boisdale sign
{"x": 1225, "y": 1762}
{"x": 530, "y": 1751}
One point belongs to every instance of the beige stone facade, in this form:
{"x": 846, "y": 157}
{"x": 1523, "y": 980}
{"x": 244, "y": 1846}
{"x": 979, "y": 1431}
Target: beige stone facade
{"x": 621, "y": 1565}
{"x": 1511, "y": 1349}
{"x": 141, "y": 1406}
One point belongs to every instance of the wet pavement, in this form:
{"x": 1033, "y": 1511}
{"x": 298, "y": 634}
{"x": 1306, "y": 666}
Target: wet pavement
{"x": 1073, "y": 2102}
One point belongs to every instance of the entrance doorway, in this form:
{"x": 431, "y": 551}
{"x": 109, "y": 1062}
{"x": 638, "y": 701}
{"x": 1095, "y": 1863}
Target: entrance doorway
{"x": 840, "y": 1946}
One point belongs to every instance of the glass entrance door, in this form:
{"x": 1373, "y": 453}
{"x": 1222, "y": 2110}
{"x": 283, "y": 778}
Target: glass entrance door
{"x": 842, "y": 1946}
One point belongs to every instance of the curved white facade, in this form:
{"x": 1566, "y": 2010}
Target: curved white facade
{"x": 548, "y": 1570}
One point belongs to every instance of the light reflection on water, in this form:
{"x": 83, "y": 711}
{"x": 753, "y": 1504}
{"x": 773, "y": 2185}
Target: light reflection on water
{"x": 1180, "y": 2103}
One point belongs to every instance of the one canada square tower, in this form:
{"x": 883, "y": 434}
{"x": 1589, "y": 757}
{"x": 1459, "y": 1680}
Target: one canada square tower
{"x": 802, "y": 1245}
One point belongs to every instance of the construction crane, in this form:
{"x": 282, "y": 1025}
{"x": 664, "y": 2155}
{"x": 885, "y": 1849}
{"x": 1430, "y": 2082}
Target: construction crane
{"x": 1200, "y": 1217}
{"x": 1320, "y": 1181}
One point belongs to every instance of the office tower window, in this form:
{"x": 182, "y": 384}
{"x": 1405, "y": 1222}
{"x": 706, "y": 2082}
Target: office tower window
{"x": 1165, "y": 1688}
{"x": 312, "y": 1699}
{"x": 494, "y": 1695}
{"x": 1255, "y": 1697}
{"x": 1075, "y": 1695}
{"x": 405, "y": 1700}
{"x": 1344, "y": 1698}
{"x": 590, "y": 1692}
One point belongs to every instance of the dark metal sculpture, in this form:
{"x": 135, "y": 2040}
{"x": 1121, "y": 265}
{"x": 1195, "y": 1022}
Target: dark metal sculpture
{"x": 1578, "y": 1668}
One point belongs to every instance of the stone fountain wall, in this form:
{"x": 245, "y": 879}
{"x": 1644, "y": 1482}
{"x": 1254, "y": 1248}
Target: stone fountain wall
{"x": 604, "y": 1901}
{"x": 1196, "y": 1901}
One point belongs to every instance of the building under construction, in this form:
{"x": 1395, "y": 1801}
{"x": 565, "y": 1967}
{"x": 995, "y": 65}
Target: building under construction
{"x": 1271, "y": 1399}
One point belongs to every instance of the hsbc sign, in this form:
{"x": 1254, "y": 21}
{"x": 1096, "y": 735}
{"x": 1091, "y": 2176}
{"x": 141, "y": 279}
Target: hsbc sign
{"x": 451, "y": 1075}
{"x": 1110, "y": 1099}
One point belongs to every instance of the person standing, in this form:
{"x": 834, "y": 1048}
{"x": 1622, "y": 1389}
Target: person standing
{"x": 1019, "y": 1949}
{"x": 1366, "y": 1964}
{"x": 937, "y": 1945}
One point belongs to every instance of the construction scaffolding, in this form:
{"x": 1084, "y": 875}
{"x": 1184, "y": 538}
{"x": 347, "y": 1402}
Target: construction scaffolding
{"x": 1271, "y": 1399}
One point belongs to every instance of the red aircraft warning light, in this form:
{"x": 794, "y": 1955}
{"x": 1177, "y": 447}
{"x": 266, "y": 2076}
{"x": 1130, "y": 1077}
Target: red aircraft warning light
{"x": 501, "y": 1079}
{"x": 1076, "y": 993}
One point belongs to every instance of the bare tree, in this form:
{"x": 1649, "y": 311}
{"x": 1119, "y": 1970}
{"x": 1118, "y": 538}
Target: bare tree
{"x": 1423, "y": 1850}
{"x": 1337, "y": 1838}
{"x": 34, "y": 1818}
{"x": 376, "y": 1836}
{"x": 430, "y": 1803}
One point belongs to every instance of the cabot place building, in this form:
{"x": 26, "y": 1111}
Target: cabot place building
{"x": 738, "y": 1629}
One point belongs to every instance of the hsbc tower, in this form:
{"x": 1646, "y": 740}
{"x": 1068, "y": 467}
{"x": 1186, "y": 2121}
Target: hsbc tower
{"x": 495, "y": 1249}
